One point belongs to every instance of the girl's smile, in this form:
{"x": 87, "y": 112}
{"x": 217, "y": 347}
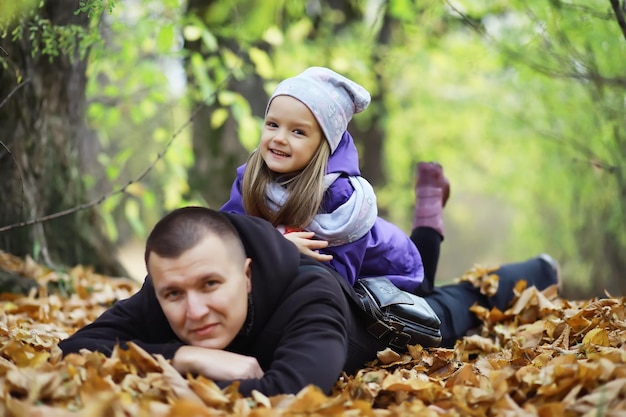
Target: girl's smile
{"x": 278, "y": 153}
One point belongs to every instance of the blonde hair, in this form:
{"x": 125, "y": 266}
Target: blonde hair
{"x": 306, "y": 190}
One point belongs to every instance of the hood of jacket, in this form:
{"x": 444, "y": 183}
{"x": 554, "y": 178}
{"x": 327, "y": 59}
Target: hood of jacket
{"x": 275, "y": 262}
{"x": 345, "y": 159}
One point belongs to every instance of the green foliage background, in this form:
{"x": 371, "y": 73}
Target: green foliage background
{"x": 521, "y": 101}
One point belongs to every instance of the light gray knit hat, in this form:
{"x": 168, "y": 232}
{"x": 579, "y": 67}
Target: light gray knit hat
{"x": 332, "y": 98}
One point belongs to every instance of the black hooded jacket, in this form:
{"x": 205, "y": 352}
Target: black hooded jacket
{"x": 301, "y": 327}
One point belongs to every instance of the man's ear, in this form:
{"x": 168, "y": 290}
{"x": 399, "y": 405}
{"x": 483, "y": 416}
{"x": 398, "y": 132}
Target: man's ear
{"x": 248, "y": 272}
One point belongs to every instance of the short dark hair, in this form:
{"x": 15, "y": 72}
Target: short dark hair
{"x": 183, "y": 228}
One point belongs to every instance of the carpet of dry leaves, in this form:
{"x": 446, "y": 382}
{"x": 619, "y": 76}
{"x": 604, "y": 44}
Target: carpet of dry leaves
{"x": 544, "y": 356}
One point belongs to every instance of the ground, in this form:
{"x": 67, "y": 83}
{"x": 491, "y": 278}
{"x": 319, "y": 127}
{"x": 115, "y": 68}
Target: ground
{"x": 544, "y": 356}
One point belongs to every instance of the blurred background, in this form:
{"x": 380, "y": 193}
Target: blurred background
{"x": 117, "y": 112}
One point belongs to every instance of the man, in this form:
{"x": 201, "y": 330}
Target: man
{"x": 227, "y": 297}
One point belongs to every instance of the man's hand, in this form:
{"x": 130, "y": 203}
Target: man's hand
{"x": 309, "y": 246}
{"x": 218, "y": 365}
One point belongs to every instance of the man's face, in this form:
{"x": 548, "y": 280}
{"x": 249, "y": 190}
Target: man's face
{"x": 204, "y": 292}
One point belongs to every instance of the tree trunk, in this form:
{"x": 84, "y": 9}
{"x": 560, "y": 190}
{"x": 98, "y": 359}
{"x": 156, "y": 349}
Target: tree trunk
{"x": 42, "y": 127}
{"x": 218, "y": 151}
{"x": 368, "y": 136}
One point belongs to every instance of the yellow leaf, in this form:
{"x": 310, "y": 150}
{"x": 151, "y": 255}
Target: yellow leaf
{"x": 388, "y": 356}
{"x": 135, "y": 188}
{"x": 8, "y": 307}
{"x": 597, "y": 336}
{"x": 210, "y": 393}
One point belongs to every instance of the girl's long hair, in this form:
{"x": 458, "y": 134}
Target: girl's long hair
{"x": 306, "y": 190}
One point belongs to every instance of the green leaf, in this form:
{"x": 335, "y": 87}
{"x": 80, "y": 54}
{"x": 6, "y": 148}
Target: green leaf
{"x": 273, "y": 36}
{"x": 249, "y": 132}
{"x": 226, "y": 98}
{"x": 262, "y": 62}
{"x": 165, "y": 38}
{"x": 133, "y": 216}
{"x": 110, "y": 225}
{"x": 218, "y": 118}
{"x": 113, "y": 172}
{"x": 209, "y": 41}
{"x": 299, "y": 31}
{"x": 199, "y": 69}
{"x": 192, "y": 32}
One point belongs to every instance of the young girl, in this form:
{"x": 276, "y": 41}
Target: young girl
{"x": 304, "y": 178}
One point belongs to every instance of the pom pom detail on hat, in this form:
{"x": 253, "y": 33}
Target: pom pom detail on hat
{"x": 332, "y": 98}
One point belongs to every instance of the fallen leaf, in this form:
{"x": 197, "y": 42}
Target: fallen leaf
{"x": 597, "y": 336}
{"x": 542, "y": 356}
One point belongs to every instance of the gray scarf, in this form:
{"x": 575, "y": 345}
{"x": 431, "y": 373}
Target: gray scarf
{"x": 349, "y": 222}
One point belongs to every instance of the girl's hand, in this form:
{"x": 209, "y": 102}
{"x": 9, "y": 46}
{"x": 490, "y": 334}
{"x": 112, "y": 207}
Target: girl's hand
{"x": 309, "y": 246}
{"x": 218, "y": 365}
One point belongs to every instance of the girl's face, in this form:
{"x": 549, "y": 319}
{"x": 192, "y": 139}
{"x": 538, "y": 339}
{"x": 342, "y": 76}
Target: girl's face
{"x": 290, "y": 135}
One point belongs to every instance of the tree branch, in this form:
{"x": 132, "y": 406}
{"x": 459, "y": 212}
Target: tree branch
{"x": 17, "y": 87}
{"x": 598, "y": 164}
{"x": 555, "y": 72}
{"x": 122, "y": 189}
{"x": 619, "y": 16}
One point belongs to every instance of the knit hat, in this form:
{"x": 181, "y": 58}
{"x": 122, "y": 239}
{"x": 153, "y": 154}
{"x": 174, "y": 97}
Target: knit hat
{"x": 332, "y": 98}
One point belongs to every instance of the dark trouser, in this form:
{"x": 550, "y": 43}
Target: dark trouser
{"x": 452, "y": 302}
{"x": 428, "y": 243}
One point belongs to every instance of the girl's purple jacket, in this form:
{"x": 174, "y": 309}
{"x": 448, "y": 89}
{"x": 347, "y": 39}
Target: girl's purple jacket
{"x": 385, "y": 250}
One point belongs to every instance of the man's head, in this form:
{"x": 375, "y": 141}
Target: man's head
{"x": 201, "y": 275}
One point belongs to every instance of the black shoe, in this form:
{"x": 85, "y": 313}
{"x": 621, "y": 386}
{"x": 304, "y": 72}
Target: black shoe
{"x": 556, "y": 268}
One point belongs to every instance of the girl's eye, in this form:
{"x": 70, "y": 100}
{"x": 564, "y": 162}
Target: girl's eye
{"x": 299, "y": 132}
{"x": 271, "y": 124}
